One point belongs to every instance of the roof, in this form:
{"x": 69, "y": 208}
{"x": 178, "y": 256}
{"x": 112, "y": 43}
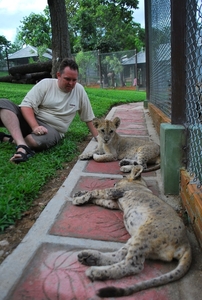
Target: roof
{"x": 141, "y": 59}
{"x": 29, "y": 51}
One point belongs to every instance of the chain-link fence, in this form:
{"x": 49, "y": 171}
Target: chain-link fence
{"x": 114, "y": 69}
{"x": 160, "y": 55}
{"x": 161, "y": 86}
{"x": 194, "y": 87}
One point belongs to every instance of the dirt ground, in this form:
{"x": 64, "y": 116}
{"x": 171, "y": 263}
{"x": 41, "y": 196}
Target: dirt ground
{"x": 13, "y": 235}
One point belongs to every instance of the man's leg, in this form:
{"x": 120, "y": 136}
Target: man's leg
{"x": 12, "y": 119}
{"x": 11, "y": 122}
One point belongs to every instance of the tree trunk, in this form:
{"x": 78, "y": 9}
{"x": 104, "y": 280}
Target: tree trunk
{"x": 31, "y": 68}
{"x": 6, "y": 78}
{"x": 60, "y": 35}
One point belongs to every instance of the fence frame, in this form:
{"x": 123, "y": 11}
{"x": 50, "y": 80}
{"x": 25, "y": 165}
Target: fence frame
{"x": 178, "y": 61}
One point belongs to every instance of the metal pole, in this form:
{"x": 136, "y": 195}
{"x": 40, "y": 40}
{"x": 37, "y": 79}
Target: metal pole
{"x": 147, "y": 5}
{"x": 178, "y": 61}
{"x": 136, "y": 70}
{"x": 7, "y": 58}
{"x": 100, "y": 68}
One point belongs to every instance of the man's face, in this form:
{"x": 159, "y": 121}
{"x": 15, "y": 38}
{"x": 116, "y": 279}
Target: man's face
{"x": 67, "y": 80}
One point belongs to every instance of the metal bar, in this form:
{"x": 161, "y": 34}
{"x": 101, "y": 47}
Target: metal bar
{"x": 147, "y": 7}
{"x": 178, "y": 61}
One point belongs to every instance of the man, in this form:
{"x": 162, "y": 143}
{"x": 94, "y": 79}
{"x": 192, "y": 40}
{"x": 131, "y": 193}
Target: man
{"x": 46, "y": 112}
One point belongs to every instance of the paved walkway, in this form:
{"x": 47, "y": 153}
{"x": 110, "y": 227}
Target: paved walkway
{"x": 45, "y": 267}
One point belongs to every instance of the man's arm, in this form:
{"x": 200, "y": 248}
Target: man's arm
{"x": 29, "y": 116}
{"x": 92, "y": 129}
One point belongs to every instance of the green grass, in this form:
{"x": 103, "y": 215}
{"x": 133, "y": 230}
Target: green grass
{"x": 3, "y": 73}
{"x": 21, "y": 184}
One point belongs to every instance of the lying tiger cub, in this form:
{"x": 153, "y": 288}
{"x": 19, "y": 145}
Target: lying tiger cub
{"x": 157, "y": 232}
{"x": 130, "y": 150}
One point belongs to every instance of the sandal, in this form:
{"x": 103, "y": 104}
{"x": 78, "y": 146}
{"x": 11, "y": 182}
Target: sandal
{"x": 3, "y": 135}
{"x": 24, "y": 156}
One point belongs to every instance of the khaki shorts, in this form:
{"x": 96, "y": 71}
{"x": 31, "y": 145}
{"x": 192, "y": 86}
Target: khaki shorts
{"x": 44, "y": 141}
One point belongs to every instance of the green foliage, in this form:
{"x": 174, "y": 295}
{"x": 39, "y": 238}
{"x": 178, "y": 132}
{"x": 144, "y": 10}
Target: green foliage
{"x": 35, "y": 30}
{"x": 4, "y": 45}
{"x": 105, "y": 25}
{"x": 114, "y": 64}
{"x": 85, "y": 61}
{"x": 21, "y": 184}
{"x": 122, "y": 3}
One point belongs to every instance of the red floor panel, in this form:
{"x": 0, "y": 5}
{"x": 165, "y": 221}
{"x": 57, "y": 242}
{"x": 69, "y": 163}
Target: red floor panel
{"x": 90, "y": 222}
{"x": 89, "y": 183}
{"x": 103, "y": 167}
{"x": 55, "y": 274}
{"x": 135, "y": 131}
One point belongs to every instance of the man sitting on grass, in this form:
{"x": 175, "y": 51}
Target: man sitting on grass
{"x": 46, "y": 112}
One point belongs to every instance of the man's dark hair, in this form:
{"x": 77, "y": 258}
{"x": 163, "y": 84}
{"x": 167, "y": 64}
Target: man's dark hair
{"x": 68, "y": 62}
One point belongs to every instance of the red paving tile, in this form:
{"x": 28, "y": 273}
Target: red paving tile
{"x": 103, "y": 167}
{"x": 90, "y": 222}
{"x": 139, "y": 118}
{"x": 129, "y": 112}
{"x": 132, "y": 121}
{"x": 132, "y": 125}
{"x": 138, "y": 132}
{"x": 88, "y": 183}
{"x": 55, "y": 274}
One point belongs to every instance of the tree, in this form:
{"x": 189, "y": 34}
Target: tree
{"x": 60, "y": 35}
{"x": 106, "y": 25}
{"x": 35, "y": 30}
{"x": 113, "y": 67}
{"x": 17, "y": 45}
{"x": 85, "y": 61}
{"x": 4, "y": 45}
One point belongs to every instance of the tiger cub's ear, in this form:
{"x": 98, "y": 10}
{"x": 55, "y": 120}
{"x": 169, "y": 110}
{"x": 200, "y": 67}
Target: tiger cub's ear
{"x": 96, "y": 122}
{"x": 136, "y": 172}
{"x": 116, "y": 121}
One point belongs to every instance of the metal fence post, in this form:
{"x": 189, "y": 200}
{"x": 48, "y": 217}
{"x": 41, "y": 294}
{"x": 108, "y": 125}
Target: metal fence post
{"x": 147, "y": 6}
{"x": 178, "y": 61}
{"x": 100, "y": 70}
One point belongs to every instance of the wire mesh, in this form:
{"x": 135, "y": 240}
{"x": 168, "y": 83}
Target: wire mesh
{"x": 160, "y": 55}
{"x": 194, "y": 89}
{"x": 114, "y": 69}
{"x": 160, "y": 73}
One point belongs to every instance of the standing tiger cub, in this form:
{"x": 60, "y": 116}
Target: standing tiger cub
{"x": 157, "y": 232}
{"x": 129, "y": 150}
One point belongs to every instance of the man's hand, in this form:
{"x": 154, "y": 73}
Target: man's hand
{"x": 40, "y": 130}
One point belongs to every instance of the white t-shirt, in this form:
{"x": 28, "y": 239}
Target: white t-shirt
{"x": 57, "y": 108}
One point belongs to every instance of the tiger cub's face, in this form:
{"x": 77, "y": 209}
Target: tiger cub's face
{"x": 106, "y": 129}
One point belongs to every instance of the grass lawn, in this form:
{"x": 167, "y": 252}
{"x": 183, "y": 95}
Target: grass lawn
{"x": 20, "y": 184}
{"x": 3, "y": 73}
